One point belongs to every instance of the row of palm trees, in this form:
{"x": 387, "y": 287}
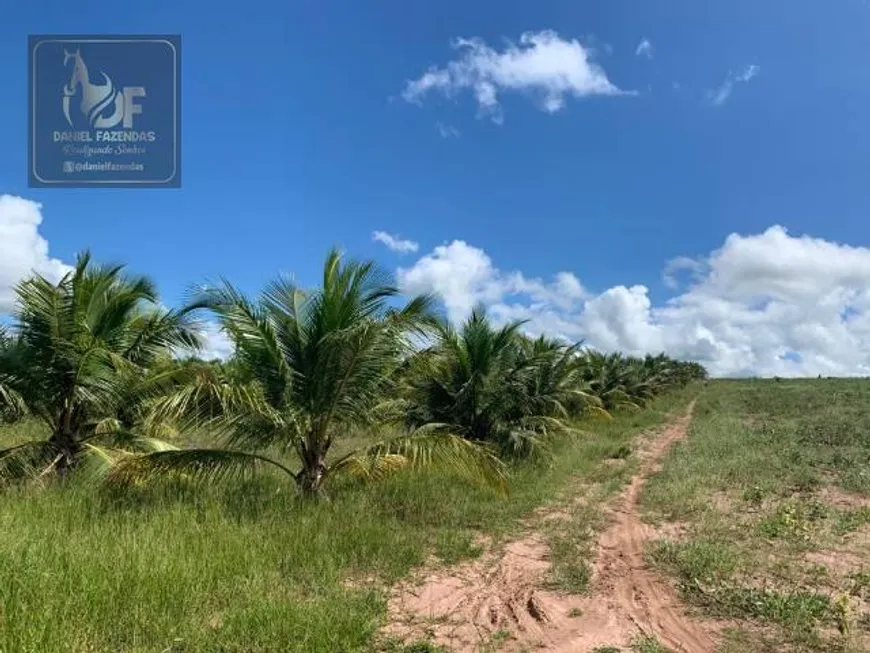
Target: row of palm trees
{"x": 96, "y": 358}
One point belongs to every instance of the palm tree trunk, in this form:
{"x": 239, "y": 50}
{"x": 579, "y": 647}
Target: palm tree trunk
{"x": 310, "y": 477}
{"x": 64, "y": 443}
{"x": 66, "y": 449}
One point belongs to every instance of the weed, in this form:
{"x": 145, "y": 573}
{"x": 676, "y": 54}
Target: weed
{"x": 793, "y": 519}
{"x": 850, "y": 521}
{"x": 496, "y": 640}
{"x": 570, "y": 542}
{"x": 754, "y": 496}
{"x": 648, "y": 644}
{"x": 697, "y": 561}
{"x": 797, "y": 611}
{"x": 859, "y": 584}
{"x": 856, "y": 479}
{"x": 844, "y": 616}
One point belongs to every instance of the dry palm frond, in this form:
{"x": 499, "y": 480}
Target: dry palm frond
{"x": 428, "y": 449}
{"x": 370, "y": 468}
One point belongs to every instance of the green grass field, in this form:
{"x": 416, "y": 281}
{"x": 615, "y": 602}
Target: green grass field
{"x": 246, "y": 567}
{"x": 772, "y": 487}
{"x": 771, "y": 492}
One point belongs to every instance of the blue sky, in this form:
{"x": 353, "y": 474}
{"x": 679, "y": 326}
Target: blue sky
{"x": 297, "y": 137}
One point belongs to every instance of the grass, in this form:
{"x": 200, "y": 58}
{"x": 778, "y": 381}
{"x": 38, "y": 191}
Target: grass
{"x": 849, "y": 521}
{"x": 570, "y": 544}
{"x": 772, "y": 472}
{"x": 571, "y": 537}
{"x": 648, "y": 644}
{"x": 247, "y": 568}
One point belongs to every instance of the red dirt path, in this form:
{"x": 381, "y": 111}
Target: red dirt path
{"x": 497, "y": 600}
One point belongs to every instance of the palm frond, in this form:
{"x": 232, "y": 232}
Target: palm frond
{"x": 98, "y": 463}
{"x": 12, "y": 404}
{"x": 199, "y": 465}
{"x": 224, "y": 406}
{"x": 426, "y": 450}
{"x": 24, "y": 461}
{"x": 371, "y": 468}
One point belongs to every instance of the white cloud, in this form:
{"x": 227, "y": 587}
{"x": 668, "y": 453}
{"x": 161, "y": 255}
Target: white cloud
{"x": 23, "y": 250}
{"x": 680, "y": 264}
{"x": 215, "y": 343}
{"x": 447, "y": 131}
{"x": 543, "y": 64}
{"x": 766, "y": 304}
{"x": 461, "y": 275}
{"x": 395, "y": 243}
{"x": 719, "y": 95}
{"x": 644, "y": 49}
{"x": 464, "y": 276}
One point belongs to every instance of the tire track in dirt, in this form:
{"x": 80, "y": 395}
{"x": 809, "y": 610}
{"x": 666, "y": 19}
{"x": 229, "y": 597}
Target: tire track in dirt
{"x": 496, "y": 602}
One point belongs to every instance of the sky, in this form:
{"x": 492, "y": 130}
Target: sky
{"x": 646, "y": 175}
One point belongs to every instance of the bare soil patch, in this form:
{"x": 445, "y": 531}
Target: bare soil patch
{"x": 839, "y": 498}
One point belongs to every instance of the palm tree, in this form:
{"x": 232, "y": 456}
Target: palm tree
{"x": 494, "y": 384}
{"x": 310, "y": 367}
{"x": 11, "y": 405}
{"x": 629, "y": 382}
{"x": 614, "y": 379}
{"x": 75, "y": 351}
{"x": 556, "y": 375}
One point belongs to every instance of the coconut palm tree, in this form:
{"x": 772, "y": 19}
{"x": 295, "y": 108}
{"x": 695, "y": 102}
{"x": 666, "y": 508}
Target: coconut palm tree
{"x": 494, "y": 384}
{"x": 629, "y": 382}
{"x": 74, "y": 351}
{"x": 614, "y": 379}
{"x": 310, "y": 367}
{"x": 11, "y": 405}
{"x": 556, "y": 375}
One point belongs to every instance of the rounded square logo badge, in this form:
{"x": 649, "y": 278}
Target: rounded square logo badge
{"x": 105, "y": 111}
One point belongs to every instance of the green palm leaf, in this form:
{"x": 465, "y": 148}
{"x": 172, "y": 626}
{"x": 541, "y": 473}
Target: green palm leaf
{"x": 79, "y": 349}
{"x": 426, "y": 450}
{"x": 201, "y": 465}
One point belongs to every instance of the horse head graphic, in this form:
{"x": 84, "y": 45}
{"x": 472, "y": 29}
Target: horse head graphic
{"x": 96, "y": 99}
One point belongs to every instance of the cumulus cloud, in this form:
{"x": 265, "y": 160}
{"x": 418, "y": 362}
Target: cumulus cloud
{"x": 395, "y": 243}
{"x": 644, "y": 49}
{"x": 464, "y": 276}
{"x": 762, "y": 304}
{"x": 718, "y": 96}
{"x": 543, "y": 65}
{"x": 23, "y": 250}
{"x": 215, "y": 343}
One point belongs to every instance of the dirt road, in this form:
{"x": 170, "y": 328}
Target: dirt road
{"x": 496, "y": 603}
